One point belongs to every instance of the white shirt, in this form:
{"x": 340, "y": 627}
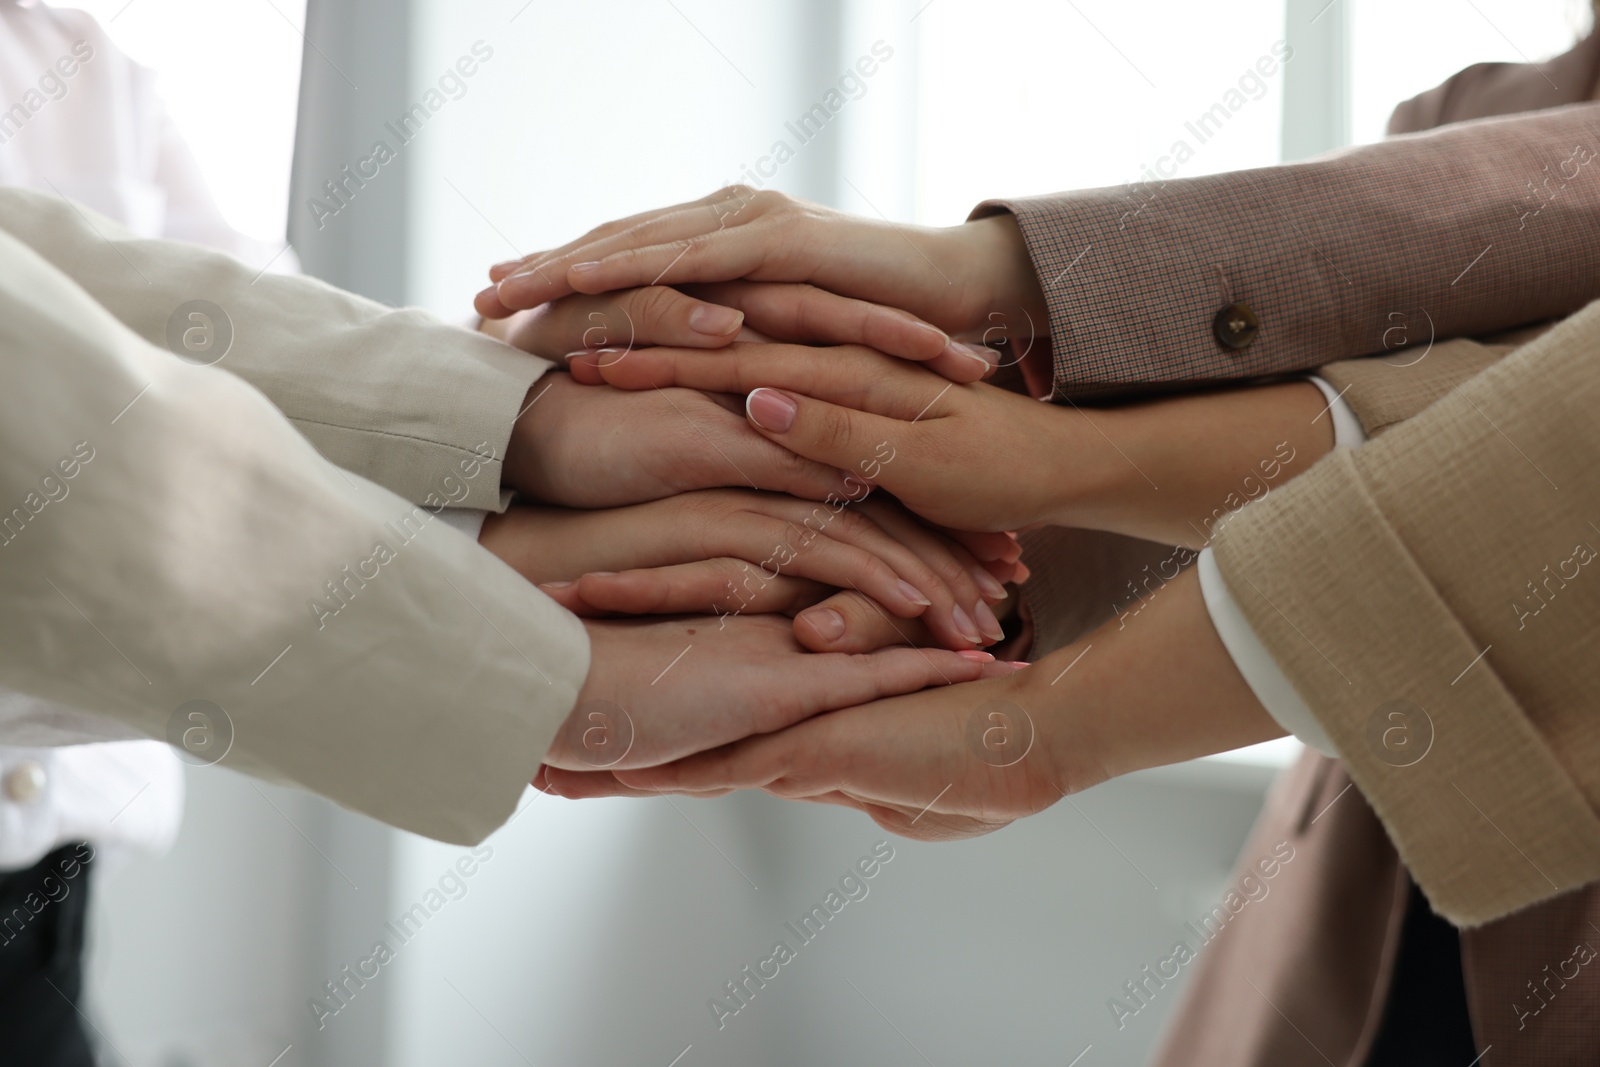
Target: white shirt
{"x": 1261, "y": 672}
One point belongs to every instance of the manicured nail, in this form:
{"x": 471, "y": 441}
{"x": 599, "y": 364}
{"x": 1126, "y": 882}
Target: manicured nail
{"x": 771, "y": 410}
{"x": 507, "y": 265}
{"x": 585, "y": 268}
{"x": 1018, "y": 663}
{"x": 601, "y": 574}
{"x": 828, "y": 623}
{"x": 982, "y": 353}
{"x": 988, "y": 623}
{"x": 554, "y": 585}
{"x": 963, "y": 625}
{"x": 943, "y": 337}
{"x": 988, "y": 585}
{"x": 715, "y": 320}
{"x": 975, "y": 656}
{"x": 913, "y": 594}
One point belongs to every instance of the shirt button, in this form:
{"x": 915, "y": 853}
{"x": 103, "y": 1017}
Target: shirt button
{"x": 25, "y": 782}
{"x": 1236, "y": 326}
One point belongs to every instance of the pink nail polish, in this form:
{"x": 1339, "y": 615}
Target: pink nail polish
{"x": 911, "y": 593}
{"x": 988, "y": 623}
{"x": 715, "y": 320}
{"x": 585, "y": 268}
{"x": 963, "y": 625}
{"x": 828, "y": 623}
{"x": 988, "y": 585}
{"x": 982, "y": 353}
{"x": 771, "y": 410}
{"x": 975, "y": 656}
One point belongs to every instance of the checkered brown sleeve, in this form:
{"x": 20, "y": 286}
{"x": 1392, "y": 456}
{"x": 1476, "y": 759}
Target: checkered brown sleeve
{"x": 1461, "y": 231}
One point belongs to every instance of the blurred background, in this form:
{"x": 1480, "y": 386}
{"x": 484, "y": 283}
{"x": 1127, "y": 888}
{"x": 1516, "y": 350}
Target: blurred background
{"x": 597, "y": 933}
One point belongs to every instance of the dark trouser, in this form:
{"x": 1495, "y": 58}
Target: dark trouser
{"x": 1426, "y": 1021}
{"x": 41, "y": 961}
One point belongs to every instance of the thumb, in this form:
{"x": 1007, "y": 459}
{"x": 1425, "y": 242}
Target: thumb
{"x": 856, "y": 442}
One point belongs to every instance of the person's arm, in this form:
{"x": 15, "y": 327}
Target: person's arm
{"x": 393, "y": 395}
{"x": 168, "y": 538}
{"x": 1312, "y": 261}
{"x": 1428, "y": 596}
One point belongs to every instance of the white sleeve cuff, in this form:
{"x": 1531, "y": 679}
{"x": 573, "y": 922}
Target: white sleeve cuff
{"x": 1261, "y": 673}
{"x": 1347, "y": 429}
{"x": 468, "y": 520}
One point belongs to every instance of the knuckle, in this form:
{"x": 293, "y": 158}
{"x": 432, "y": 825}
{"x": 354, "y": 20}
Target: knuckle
{"x": 833, "y": 430}
{"x": 654, "y": 305}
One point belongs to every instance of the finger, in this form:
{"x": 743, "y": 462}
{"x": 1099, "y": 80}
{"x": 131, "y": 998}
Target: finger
{"x": 607, "y": 229}
{"x": 807, "y": 314}
{"x": 850, "y": 622}
{"x": 635, "y": 317}
{"x": 998, "y": 546}
{"x": 585, "y": 785}
{"x": 562, "y": 271}
{"x": 972, "y": 587}
{"x": 725, "y": 585}
{"x": 845, "y": 374}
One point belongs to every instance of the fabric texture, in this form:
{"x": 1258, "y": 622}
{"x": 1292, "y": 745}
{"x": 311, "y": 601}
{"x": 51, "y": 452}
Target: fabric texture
{"x": 357, "y": 647}
{"x": 1326, "y": 253}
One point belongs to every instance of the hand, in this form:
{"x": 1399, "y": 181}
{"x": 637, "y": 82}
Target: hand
{"x": 968, "y": 759}
{"x": 970, "y": 457}
{"x": 585, "y": 448}
{"x": 733, "y": 551}
{"x": 978, "y": 457}
{"x": 954, "y": 278}
{"x": 657, "y": 691}
{"x": 711, "y": 316}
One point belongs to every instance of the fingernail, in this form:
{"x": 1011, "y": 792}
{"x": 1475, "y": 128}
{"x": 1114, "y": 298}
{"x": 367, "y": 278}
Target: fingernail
{"x": 600, "y": 574}
{"x": 585, "y": 268}
{"x": 828, "y": 623}
{"x": 1018, "y": 664}
{"x": 988, "y": 585}
{"x": 963, "y": 625}
{"x": 715, "y": 320}
{"x": 982, "y": 353}
{"x": 913, "y": 594}
{"x": 771, "y": 410}
{"x": 975, "y": 656}
{"x": 554, "y": 585}
{"x": 931, "y": 328}
{"x": 507, "y": 265}
{"x": 988, "y": 623}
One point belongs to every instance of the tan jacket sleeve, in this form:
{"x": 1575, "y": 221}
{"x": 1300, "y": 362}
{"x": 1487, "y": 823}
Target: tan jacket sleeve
{"x": 1443, "y": 582}
{"x": 166, "y": 536}
{"x": 396, "y": 396}
{"x": 1324, "y": 253}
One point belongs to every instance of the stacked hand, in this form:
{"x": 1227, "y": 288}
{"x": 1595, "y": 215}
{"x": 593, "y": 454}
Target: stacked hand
{"x": 781, "y": 308}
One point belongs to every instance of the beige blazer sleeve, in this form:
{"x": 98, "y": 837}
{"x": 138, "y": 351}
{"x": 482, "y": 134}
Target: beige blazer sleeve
{"x": 395, "y": 395}
{"x": 1447, "y": 571}
{"x": 166, "y": 536}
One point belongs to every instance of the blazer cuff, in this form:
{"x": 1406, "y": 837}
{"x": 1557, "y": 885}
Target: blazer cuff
{"x": 1343, "y": 607}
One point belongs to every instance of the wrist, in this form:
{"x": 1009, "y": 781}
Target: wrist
{"x": 998, "y": 273}
{"x": 1110, "y": 714}
{"x": 1172, "y": 470}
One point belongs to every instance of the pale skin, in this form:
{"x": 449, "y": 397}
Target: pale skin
{"x": 1161, "y": 689}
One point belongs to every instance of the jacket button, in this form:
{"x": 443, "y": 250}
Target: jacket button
{"x": 1236, "y": 326}
{"x": 25, "y": 782}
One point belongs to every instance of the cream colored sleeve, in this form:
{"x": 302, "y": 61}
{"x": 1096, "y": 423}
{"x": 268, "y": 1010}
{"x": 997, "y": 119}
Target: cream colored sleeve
{"x": 1434, "y": 596}
{"x": 166, "y": 536}
{"x": 397, "y": 396}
